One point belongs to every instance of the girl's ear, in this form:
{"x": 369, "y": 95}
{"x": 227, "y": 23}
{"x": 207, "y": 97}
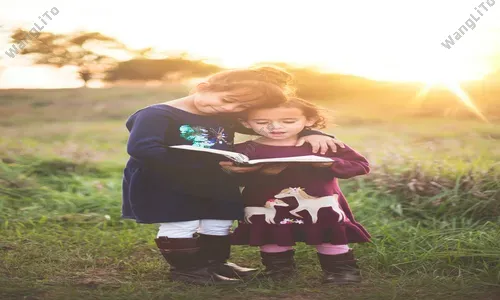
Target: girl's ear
{"x": 202, "y": 86}
{"x": 244, "y": 123}
{"x": 311, "y": 121}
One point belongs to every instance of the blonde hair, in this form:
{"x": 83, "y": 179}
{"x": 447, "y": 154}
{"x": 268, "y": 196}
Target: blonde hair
{"x": 268, "y": 85}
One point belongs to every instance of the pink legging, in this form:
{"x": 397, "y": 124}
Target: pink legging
{"x": 327, "y": 249}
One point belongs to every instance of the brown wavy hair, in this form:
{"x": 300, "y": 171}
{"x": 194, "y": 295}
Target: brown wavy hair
{"x": 268, "y": 85}
{"x": 310, "y": 110}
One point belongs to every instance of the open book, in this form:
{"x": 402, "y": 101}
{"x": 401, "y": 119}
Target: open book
{"x": 243, "y": 159}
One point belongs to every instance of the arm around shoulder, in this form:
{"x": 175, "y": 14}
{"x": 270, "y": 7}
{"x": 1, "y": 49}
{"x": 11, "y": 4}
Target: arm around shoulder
{"x": 308, "y": 132}
{"x": 349, "y": 163}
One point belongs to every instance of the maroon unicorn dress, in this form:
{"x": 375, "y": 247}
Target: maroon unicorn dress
{"x": 302, "y": 203}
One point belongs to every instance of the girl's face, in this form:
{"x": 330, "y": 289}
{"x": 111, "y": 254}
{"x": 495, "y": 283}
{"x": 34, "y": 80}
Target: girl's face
{"x": 279, "y": 123}
{"x": 213, "y": 103}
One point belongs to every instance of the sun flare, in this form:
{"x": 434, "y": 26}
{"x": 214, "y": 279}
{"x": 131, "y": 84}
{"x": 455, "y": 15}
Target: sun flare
{"x": 456, "y": 89}
{"x": 441, "y": 72}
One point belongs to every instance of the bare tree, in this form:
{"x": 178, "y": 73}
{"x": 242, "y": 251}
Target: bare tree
{"x": 79, "y": 49}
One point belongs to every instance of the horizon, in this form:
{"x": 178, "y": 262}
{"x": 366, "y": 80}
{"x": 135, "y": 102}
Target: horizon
{"x": 365, "y": 40}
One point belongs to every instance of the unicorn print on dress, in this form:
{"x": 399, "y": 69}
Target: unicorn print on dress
{"x": 312, "y": 204}
{"x": 268, "y": 210}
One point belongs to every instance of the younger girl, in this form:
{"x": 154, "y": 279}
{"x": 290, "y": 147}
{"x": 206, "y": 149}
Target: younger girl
{"x": 187, "y": 192}
{"x": 298, "y": 202}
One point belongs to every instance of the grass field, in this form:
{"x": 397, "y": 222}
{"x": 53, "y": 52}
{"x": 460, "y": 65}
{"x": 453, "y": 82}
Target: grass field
{"x": 431, "y": 203}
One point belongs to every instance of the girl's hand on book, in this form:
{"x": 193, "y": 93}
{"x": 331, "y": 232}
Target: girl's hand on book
{"x": 273, "y": 169}
{"x": 230, "y": 167}
{"x": 320, "y": 142}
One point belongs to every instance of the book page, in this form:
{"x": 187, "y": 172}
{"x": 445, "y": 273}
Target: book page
{"x": 305, "y": 158}
{"x": 235, "y": 156}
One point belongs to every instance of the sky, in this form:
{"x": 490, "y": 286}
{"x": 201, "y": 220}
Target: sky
{"x": 395, "y": 40}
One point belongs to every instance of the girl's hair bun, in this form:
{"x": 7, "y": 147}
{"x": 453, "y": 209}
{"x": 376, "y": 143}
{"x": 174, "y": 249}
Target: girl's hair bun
{"x": 277, "y": 76}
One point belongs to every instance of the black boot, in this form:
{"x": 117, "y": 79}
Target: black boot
{"x": 278, "y": 265}
{"x": 218, "y": 250}
{"x": 188, "y": 263}
{"x": 340, "y": 269}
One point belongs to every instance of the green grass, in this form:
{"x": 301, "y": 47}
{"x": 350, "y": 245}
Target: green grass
{"x": 431, "y": 203}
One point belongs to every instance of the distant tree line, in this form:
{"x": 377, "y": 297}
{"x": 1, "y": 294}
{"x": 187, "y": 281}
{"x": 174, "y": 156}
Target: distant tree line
{"x": 91, "y": 54}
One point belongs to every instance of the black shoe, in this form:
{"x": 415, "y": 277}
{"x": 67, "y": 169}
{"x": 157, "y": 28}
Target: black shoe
{"x": 188, "y": 263}
{"x": 279, "y": 265}
{"x": 232, "y": 270}
{"x": 218, "y": 250}
{"x": 340, "y": 269}
{"x": 201, "y": 276}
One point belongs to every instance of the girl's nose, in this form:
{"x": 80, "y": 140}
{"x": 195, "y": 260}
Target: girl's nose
{"x": 275, "y": 125}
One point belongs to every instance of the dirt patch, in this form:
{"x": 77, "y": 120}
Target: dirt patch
{"x": 90, "y": 278}
{"x": 94, "y": 278}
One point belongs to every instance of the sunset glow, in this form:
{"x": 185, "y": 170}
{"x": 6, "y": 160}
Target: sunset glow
{"x": 384, "y": 40}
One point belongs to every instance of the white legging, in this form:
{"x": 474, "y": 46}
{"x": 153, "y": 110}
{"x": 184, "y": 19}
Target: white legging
{"x": 188, "y": 228}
